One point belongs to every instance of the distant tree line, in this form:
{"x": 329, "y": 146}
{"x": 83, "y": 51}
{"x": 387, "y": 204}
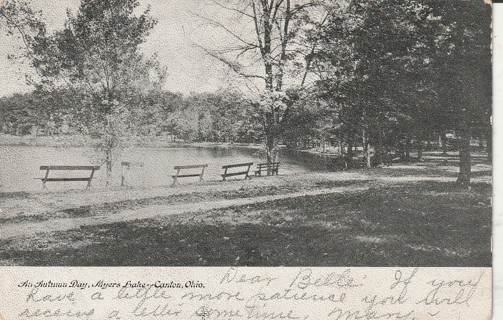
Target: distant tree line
{"x": 223, "y": 116}
{"x": 382, "y": 77}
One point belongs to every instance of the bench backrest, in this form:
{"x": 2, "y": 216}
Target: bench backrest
{"x": 69, "y": 168}
{"x": 273, "y": 164}
{"x": 238, "y": 165}
{"x": 191, "y": 166}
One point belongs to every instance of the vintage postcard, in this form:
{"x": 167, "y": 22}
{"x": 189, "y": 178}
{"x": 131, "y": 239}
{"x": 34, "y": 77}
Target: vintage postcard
{"x": 246, "y": 159}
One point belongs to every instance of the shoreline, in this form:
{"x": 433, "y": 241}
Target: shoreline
{"x": 354, "y": 210}
{"x": 79, "y": 141}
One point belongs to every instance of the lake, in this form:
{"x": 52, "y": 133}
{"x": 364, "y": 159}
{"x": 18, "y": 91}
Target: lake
{"x": 19, "y": 165}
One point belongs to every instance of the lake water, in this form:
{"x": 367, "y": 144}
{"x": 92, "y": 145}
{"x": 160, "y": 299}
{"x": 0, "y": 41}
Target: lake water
{"x": 19, "y": 165}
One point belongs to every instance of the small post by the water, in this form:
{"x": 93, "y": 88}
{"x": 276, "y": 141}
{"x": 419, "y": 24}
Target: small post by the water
{"x": 128, "y": 165}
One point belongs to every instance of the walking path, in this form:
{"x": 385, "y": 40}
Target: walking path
{"x": 292, "y": 186}
{"x": 47, "y": 201}
{"x": 11, "y": 230}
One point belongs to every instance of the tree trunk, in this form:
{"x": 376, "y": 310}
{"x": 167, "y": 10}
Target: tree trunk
{"x": 109, "y": 164}
{"x": 349, "y": 154}
{"x": 444, "y": 143}
{"x": 407, "y": 149}
{"x": 379, "y": 154}
{"x": 419, "y": 150}
{"x": 271, "y": 146}
{"x": 465, "y": 165}
{"x": 366, "y": 149}
{"x": 489, "y": 144}
{"x": 401, "y": 151}
{"x": 270, "y": 150}
{"x": 367, "y": 155}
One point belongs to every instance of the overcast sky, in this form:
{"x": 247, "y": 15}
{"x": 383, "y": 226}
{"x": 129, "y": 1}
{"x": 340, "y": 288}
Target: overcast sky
{"x": 189, "y": 68}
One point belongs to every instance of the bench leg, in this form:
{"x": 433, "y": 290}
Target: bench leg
{"x": 90, "y": 179}
{"x": 122, "y": 177}
{"x": 175, "y": 178}
{"x": 45, "y": 179}
{"x": 201, "y": 176}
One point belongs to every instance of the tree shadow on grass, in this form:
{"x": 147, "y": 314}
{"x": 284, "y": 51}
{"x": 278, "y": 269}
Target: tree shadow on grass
{"x": 245, "y": 245}
{"x": 420, "y": 224}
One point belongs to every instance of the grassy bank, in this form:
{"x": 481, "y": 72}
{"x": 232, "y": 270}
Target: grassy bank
{"x": 400, "y": 216}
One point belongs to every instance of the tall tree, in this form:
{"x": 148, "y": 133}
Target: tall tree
{"x": 406, "y": 67}
{"x": 463, "y": 66}
{"x": 97, "y": 53}
{"x": 264, "y": 52}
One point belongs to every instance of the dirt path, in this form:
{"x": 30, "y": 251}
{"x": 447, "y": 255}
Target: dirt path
{"x": 39, "y": 203}
{"x": 249, "y": 192}
{"x": 12, "y": 230}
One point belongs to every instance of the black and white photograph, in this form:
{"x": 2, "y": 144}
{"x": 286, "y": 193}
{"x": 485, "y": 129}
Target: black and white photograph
{"x": 258, "y": 133}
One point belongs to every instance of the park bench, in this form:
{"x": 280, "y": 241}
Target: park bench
{"x": 48, "y": 169}
{"x": 237, "y": 173}
{"x": 127, "y": 165}
{"x": 190, "y": 174}
{"x": 269, "y": 168}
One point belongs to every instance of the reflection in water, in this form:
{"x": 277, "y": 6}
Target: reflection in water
{"x": 19, "y": 165}
{"x": 312, "y": 161}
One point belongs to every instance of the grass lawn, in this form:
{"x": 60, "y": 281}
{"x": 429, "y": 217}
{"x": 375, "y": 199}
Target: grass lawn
{"x": 404, "y": 223}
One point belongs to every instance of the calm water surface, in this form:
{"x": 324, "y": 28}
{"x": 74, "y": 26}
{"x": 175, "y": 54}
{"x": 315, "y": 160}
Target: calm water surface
{"x": 19, "y": 165}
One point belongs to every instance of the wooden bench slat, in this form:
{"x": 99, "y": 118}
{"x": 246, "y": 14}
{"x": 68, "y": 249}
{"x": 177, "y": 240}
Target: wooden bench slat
{"x": 50, "y": 168}
{"x": 237, "y": 165}
{"x": 234, "y": 174}
{"x": 186, "y": 175}
{"x": 191, "y": 166}
{"x": 69, "y": 167}
{"x": 265, "y": 167}
{"x": 274, "y": 164}
{"x": 244, "y": 172}
{"x": 273, "y": 168}
{"x": 65, "y": 179}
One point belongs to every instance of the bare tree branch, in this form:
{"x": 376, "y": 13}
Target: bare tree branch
{"x": 276, "y": 9}
{"x": 257, "y": 29}
{"x": 222, "y": 26}
{"x": 242, "y": 12}
{"x": 233, "y": 66}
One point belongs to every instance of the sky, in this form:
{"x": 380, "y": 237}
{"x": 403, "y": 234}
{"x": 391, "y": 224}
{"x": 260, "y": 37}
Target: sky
{"x": 173, "y": 38}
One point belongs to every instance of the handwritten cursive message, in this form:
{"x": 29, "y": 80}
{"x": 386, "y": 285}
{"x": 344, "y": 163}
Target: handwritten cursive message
{"x": 246, "y": 293}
